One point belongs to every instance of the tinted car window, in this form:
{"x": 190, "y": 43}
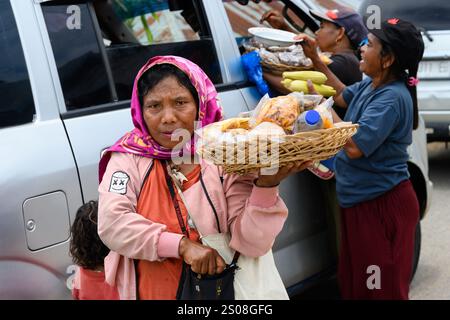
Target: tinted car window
{"x": 77, "y": 54}
{"x": 16, "y": 106}
{"x": 153, "y": 22}
{"x": 430, "y": 14}
{"x": 134, "y": 31}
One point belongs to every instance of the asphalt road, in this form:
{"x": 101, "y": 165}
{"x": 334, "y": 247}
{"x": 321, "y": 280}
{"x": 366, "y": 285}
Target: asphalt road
{"x": 432, "y": 279}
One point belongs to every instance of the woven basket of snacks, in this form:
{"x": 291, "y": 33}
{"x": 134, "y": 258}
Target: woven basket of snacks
{"x": 279, "y": 68}
{"x": 272, "y": 137}
{"x": 276, "y": 59}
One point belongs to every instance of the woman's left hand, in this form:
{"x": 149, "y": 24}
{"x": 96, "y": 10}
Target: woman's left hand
{"x": 283, "y": 172}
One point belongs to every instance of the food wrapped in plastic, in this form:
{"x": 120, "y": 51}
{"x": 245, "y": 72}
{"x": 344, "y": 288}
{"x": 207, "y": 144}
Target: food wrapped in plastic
{"x": 277, "y": 49}
{"x": 294, "y": 47}
{"x": 267, "y": 128}
{"x": 267, "y": 131}
{"x": 207, "y": 135}
{"x": 222, "y": 132}
{"x": 234, "y": 123}
{"x": 289, "y": 56}
{"x": 325, "y": 112}
{"x": 245, "y": 114}
{"x": 231, "y": 136}
{"x": 282, "y": 111}
{"x": 297, "y": 50}
{"x": 311, "y": 101}
{"x": 251, "y": 44}
{"x": 293, "y": 59}
{"x": 268, "y": 56}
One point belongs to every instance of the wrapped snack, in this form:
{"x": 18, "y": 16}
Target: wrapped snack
{"x": 267, "y": 129}
{"x": 282, "y": 110}
{"x": 245, "y": 114}
{"x": 306, "y": 101}
{"x": 234, "y": 123}
{"x": 292, "y": 59}
{"x": 212, "y": 135}
{"x": 295, "y": 56}
{"x": 207, "y": 135}
{"x": 251, "y": 44}
{"x": 238, "y": 132}
{"x": 311, "y": 101}
{"x": 268, "y": 56}
{"x": 276, "y": 49}
{"x": 324, "y": 110}
{"x": 292, "y": 47}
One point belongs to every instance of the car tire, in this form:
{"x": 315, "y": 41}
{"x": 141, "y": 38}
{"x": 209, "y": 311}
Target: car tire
{"x": 416, "y": 254}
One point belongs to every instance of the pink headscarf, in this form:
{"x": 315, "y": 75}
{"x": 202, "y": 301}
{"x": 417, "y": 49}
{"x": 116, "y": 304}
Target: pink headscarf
{"x": 139, "y": 141}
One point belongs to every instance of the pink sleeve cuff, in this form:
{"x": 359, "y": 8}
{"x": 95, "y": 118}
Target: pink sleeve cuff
{"x": 263, "y": 197}
{"x": 168, "y": 245}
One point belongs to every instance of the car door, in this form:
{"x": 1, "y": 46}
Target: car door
{"x": 306, "y": 246}
{"x": 40, "y": 189}
{"x": 97, "y": 63}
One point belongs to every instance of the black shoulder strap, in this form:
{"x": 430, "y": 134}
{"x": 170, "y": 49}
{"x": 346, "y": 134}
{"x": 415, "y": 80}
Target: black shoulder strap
{"x": 221, "y": 176}
{"x": 210, "y": 202}
{"x": 147, "y": 174}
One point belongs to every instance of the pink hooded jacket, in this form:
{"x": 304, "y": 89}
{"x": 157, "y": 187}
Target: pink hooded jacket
{"x": 254, "y": 216}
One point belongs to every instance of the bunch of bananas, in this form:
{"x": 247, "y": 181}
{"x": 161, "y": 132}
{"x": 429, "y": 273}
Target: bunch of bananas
{"x": 297, "y": 81}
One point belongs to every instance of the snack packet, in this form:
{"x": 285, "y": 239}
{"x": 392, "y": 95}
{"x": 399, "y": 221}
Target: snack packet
{"x": 282, "y": 110}
{"x": 325, "y": 112}
{"x": 306, "y": 101}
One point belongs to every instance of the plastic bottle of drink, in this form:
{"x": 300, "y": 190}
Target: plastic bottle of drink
{"x": 307, "y": 121}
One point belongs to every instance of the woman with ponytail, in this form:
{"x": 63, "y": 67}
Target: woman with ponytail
{"x": 379, "y": 208}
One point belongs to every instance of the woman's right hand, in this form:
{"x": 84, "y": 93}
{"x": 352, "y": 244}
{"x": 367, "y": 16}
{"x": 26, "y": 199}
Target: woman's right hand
{"x": 269, "y": 181}
{"x": 202, "y": 259}
{"x": 275, "y": 19}
{"x": 309, "y": 46}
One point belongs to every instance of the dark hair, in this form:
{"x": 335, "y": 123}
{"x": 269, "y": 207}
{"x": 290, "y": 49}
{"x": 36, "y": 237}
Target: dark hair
{"x": 86, "y": 248}
{"x": 157, "y": 73}
{"x": 399, "y": 73}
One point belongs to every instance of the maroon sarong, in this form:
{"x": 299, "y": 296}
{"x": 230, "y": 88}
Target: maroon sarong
{"x": 378, "y": 235}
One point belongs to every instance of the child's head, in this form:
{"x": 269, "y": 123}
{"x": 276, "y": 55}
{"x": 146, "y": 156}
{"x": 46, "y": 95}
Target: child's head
{"x": 86, "y": 248}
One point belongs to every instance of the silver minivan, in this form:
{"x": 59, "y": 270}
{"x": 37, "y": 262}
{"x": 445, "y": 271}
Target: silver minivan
{"x": 66, "y": 76}
{"x": 433, "y": 92}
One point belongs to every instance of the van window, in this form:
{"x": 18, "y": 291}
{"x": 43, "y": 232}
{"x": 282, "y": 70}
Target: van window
{"x": 134, "y": 31}
{"x": 16, "y": 106}
{"x": 245, "y": 16}
{"x": 430, "y": 14}
{"x": 155, "y": 22}
{"x": 77, "y": 54}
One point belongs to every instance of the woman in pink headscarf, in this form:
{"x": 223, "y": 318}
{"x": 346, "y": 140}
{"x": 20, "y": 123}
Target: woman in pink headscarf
{"x": 144, "y": 222}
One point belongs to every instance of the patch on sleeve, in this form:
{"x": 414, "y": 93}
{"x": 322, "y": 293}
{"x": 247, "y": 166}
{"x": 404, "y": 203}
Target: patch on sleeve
{"x": 119, "y": 181}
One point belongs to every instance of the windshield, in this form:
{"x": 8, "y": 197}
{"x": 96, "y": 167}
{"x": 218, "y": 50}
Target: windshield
{"x": 430, "y": 14}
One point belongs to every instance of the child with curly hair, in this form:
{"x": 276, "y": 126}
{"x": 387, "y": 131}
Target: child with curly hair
{"x": 88, "y": 252}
